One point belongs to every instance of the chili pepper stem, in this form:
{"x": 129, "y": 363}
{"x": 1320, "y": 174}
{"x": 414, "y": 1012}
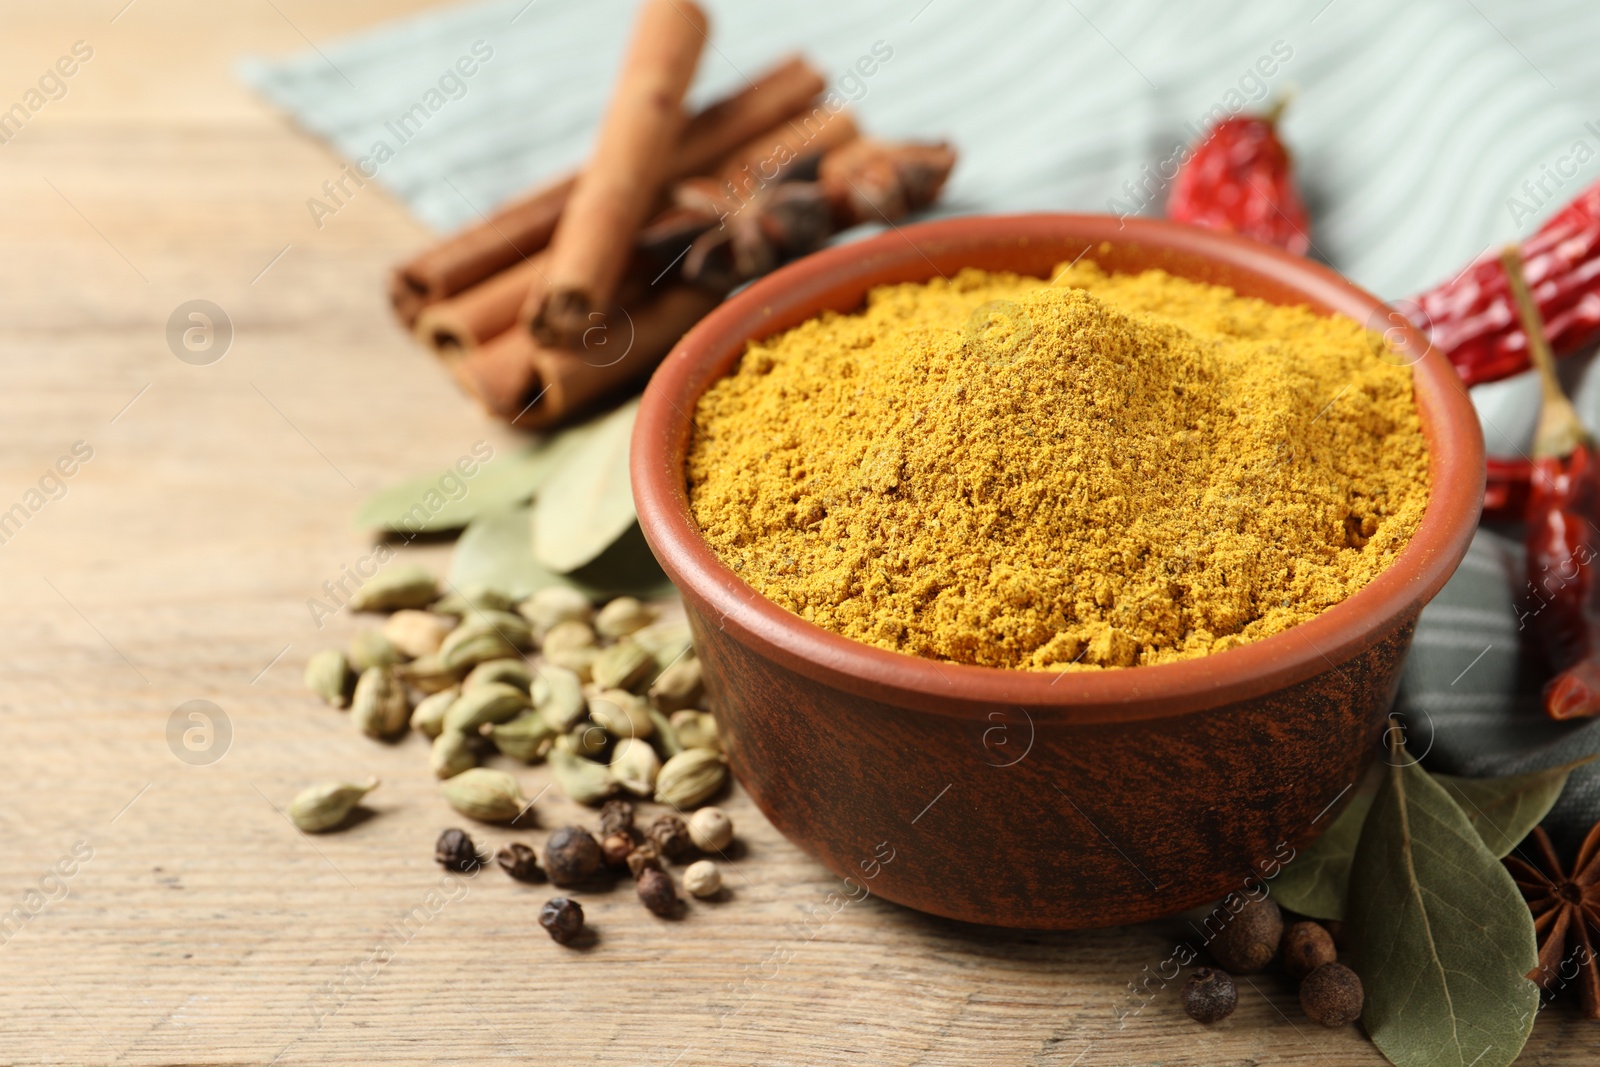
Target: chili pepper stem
{"x": 1560, "y": 430}
{"x": 1275, "y": 112}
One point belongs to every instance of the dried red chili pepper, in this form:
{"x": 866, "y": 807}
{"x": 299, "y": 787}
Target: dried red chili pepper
{"x": 1472, "y": 317}
{"x": 1562, "y": 538}
{"x": 1240, "y": 179}
{"x": 1505, "y": 490}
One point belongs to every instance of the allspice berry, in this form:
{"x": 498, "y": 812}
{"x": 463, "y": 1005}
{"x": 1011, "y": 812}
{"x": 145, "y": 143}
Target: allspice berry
{"x": 1331, "y": 995}
{"x": 671, "y": 835}
{"x": 519, "y": 861}
{"x": 1209, "y": 995}
{"x": 1250, "y": 940}
{"x": 615, "y": 848}
{"x": 702, "y": 879}
{"x": 563, "y": 918}
{"x": 455, "y": 852}
{"x": 572, "y": 856}
{"x": 1306, "y": 946}
{"x": 710, "y": 829}
{"x": 655, "y": 889}
{"x": 644, "y": 857}
{"x": 616, "y": 817}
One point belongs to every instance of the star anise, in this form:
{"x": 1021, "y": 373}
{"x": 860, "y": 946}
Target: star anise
{"x": 1566, "y": 913}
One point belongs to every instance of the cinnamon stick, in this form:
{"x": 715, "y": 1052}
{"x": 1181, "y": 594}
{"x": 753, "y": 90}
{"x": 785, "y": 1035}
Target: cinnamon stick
{"x": 525, "y": 225}
{"x": 590, "y": 248}
{"x": 511, "y": 234}
{"x": 471, "y": 318}
{"x": 487, "y": 309}
{"x": 462, "y": 322}
{"x": 534, "y": 386}
{"x": 775, "y": 96}
{"x": 796, "y": 143}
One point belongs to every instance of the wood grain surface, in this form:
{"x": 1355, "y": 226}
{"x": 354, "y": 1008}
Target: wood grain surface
{"x": 201, "y": 927}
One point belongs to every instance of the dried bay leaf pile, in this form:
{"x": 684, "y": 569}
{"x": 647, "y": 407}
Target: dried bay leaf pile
{"x": 559, "y": 512}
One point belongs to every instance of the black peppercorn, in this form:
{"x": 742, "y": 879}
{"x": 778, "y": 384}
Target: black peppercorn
{"x": 615, "y": 848}
{"x": 655, "y": 889}
{"x": 1250, "y": 940}
{"x": 572, "y": 856}
{"x": 1306, "y": 946}
{"x": 1331, "y": 995}
{"x": 616, "y": 817}
{"x": 519, "y": 861}
{"x": 644, "y": 857}
{"x": 1209, "y": 995}
{"x": 671, "y": 835}
{"x": 563, "y": 917}
{"x": 456, "y": 852}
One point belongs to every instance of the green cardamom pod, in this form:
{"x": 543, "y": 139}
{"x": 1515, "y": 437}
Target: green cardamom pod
{"x": 664, "y": 736}
{"x": 678, "y": 686}
{"x": 329, "y": 676}
{"x": 584, "y": 781}
{"x": 580, "y": 661}
{"x": 369, "y": 648}
{"x": 489, "y": 702}
{"x": 696, "y": 729}
{"x": 558, "y": 694}
{"x": 668, "y": 642}
{"x": 452, "y": 753}
{"x": 623, "y": 616}
{"x": 379, "y": 707}
{"x": 485, "y": 795}
{"x": 566, "y": 636}
{"x": 416, "y": 633}
{"x": 528, "y": 737}
{"x": 461, "y": 602}
{"x": 470, "y": 644}
{"x": 396, "y": 587}
{"x": 635, "y": 765}
{"x": 553, "y": 605}
{"x": 622, "y": 666}
{"x": 585, "y": 740}
{"x": 621, "y": 713}
{"x": 513, "y": 627}
{"x": 428, "y": 674}
{"x": 428, "y": 716}
{"x": 510, "y": 671}
{"x": 691, "y": 777}
{"x": 322, "y": 807}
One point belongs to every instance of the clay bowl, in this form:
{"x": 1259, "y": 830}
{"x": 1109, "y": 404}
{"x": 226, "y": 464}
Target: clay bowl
{"x": 1016, "y": 798}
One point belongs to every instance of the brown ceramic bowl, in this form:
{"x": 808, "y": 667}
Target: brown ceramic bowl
{"x": 1021, "y": 798}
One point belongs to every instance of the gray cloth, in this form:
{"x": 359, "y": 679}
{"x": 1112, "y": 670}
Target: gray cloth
{"x": 1414, "y": 126}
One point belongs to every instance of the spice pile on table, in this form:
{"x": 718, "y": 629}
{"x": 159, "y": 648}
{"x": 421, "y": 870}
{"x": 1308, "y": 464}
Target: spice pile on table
{"x": 1103, "y": 471}
{"x": 614, "y": 703}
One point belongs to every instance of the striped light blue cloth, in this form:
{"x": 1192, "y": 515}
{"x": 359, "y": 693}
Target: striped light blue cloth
{"x": 1425, "y": 134}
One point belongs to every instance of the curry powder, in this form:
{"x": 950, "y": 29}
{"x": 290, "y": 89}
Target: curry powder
{"x": 1100, "y": 471}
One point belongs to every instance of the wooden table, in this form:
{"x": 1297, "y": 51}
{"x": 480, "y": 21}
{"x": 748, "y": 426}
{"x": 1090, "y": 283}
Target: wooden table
{"x": 201, "y": 927}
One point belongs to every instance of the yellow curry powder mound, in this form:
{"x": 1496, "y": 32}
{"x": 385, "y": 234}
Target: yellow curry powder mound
{"x": 1103, "y": 470}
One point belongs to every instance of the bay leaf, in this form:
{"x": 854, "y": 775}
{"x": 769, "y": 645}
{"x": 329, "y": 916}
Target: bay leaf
{"x": 626, "y": 567}
{"x": 1442, "y": 939}
{"x": 588, "y": 503}
{"x": 445, "y": 500}
{"x": 496, "y": 551}
{"x": 1315, "y": 882}
{"x": 1504, "y": 810}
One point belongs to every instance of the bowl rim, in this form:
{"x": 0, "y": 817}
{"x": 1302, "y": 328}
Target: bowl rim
{"x": 1385, "y": 604}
